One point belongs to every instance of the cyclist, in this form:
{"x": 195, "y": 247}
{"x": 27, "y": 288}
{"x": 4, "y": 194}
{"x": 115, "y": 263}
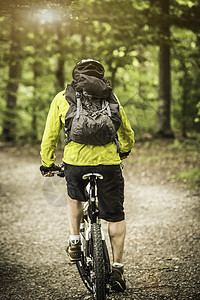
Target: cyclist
{"x": 80, "y": 159}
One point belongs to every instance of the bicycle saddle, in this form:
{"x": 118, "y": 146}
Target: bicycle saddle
{"x": 96, "y": 175}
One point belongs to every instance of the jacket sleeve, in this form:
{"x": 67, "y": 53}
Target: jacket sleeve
{"x": 51, "y": 134}
{"x": 125, "y": 132}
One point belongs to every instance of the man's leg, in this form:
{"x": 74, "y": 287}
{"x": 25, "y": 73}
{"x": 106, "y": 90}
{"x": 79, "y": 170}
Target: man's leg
{"x": 74, "y": 213}
{"x": 117, "y": 232}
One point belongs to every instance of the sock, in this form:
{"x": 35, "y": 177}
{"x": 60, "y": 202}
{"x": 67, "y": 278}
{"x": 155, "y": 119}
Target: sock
{"x": 74, "y": 238}
{"x": 118, "y": 266}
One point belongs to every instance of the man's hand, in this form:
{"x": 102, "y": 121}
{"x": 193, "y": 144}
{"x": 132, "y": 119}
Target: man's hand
{"x": 124, "y": 154}
{"x": 48, "y": 171}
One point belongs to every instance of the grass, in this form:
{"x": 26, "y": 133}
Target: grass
{"x": 179, "y": 160}
{"x": 190, "y": 176}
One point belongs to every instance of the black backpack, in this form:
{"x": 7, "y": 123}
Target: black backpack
{"x": 93, "y": 117}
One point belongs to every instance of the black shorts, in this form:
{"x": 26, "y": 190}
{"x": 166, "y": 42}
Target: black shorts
{"x": 110, "y": 189}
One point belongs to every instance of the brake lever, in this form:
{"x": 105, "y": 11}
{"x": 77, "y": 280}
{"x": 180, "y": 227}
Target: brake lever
{"x": 49, "y": 174}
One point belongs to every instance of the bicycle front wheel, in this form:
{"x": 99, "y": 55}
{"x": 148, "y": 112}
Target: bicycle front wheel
{"x": 98, "y": 263}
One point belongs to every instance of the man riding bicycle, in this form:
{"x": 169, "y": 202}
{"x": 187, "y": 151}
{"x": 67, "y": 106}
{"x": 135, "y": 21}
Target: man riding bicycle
{"x": 80, "y": 158}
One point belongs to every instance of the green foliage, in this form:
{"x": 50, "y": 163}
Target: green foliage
{"x": 186, "y": 90}
{"x": 190, "y": 176}
{"x": 171, "y": 160}
{"x": 189, "y": 161}
{"x": 197, "y": 119}
{"x": 123, "y": 35}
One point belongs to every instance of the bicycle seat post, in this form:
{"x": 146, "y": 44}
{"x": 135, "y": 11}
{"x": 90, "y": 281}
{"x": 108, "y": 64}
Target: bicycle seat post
{"x": 93, "y": 177}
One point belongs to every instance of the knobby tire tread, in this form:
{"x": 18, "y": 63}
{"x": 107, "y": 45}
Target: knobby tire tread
{"x": 99, "y": 264}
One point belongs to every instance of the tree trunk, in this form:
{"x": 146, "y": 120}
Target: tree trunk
{"x": 60, "y": 78}
{"x": 9, "y": 125}
{"x": 60, "y": 81}
{"x": 163, "y": 128}
{"x": 37, "y": 67}
{"x": 185, "y": 95}
{"x": 113, "y": 77}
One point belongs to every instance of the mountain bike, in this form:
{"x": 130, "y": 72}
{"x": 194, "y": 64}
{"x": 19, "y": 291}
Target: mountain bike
{"x": 94, "y": 266}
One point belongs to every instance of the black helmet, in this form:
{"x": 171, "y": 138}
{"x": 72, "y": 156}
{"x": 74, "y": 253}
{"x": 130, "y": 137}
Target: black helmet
{"x": 89, "y": 67}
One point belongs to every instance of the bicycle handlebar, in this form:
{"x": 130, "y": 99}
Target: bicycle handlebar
{"x": 56, "y": 170}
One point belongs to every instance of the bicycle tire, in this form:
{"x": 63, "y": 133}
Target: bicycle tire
{"x": 83, "y": 269}
{"x": 99, "y": 263}
{"x": 107, "y": 262}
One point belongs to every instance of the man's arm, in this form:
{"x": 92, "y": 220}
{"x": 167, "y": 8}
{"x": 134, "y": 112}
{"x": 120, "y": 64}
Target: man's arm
{"x": 125, "y": 133}
{"x": 51, "y": 135}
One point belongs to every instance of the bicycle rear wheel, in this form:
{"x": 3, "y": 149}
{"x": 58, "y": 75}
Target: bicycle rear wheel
{"x": 99, "y": 285}
{"x": 94, "y": 266}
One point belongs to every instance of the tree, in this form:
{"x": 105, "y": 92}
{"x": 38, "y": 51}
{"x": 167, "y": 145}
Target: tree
{"x": 163, "y": 127}
{"x": 60, "y": 77}
{"x": 186, "y": 90}
{"x": 15, "y": 69}
{"x": 125, "y": 36}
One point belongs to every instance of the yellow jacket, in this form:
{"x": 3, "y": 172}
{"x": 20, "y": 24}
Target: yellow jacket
{"x": 79, "y": 154}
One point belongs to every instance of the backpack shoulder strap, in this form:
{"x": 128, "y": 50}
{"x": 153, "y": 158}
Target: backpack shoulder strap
{"x": 78, "y": 99}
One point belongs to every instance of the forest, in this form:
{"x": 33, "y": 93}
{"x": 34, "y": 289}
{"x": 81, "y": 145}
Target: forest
{"x": 150, "y": 50}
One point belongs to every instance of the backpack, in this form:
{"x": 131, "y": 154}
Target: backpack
{"x": 93, "y": 117}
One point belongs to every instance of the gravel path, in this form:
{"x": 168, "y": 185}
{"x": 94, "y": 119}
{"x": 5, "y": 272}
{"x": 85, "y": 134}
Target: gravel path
{"x": 162, "y": 245}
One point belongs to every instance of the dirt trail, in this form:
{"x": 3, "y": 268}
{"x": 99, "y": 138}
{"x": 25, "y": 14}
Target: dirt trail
{"x": 162, "y": 245}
